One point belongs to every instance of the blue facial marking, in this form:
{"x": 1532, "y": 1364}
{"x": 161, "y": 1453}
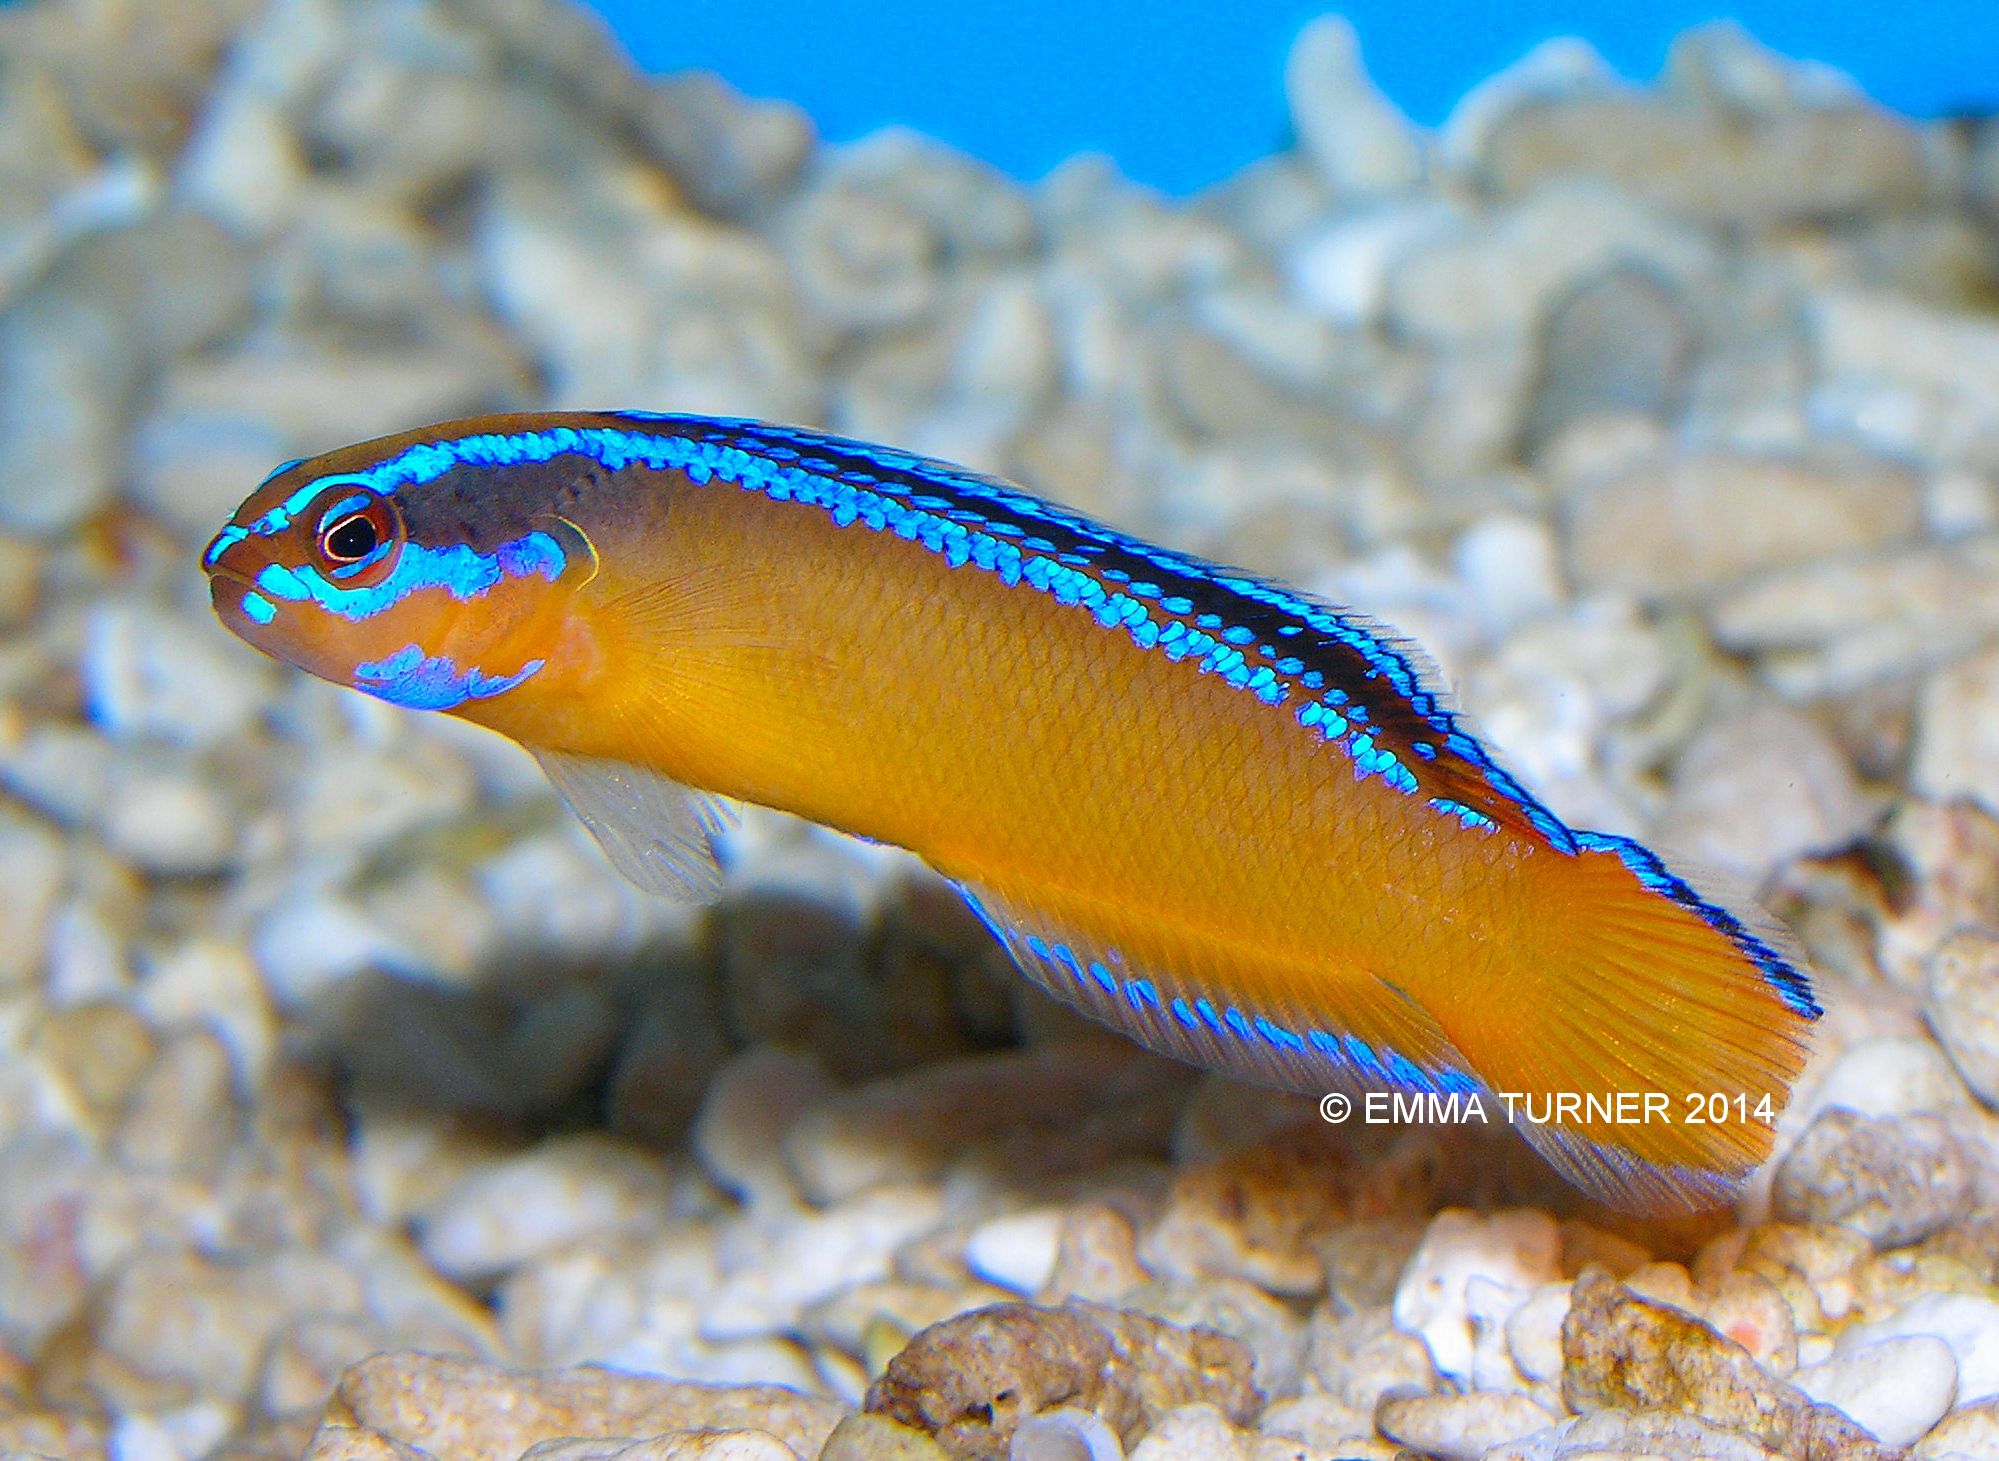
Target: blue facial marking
{"x": 260, "y": 609}
{"x": 224, "y": 540}
{"x": 419, "y": 681}
{"x": 459, "y": 569}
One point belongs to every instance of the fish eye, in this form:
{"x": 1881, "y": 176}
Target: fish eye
{"x": 356, "y": 539}
{"x": 350, "y": 538}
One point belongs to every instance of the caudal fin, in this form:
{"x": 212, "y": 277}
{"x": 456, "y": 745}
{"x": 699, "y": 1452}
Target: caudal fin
{"x": 1656, "y": 1033}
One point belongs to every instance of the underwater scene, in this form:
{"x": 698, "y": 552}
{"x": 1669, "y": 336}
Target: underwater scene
{"x": 677, "y": 791}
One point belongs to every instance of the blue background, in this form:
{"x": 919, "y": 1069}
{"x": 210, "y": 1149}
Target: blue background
{"x": 1182, "y": 92}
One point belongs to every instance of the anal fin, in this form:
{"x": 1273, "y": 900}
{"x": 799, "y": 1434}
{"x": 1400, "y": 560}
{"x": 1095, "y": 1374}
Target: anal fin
{"x": 655, "y": 831}
{"x": 1312, "y": 1037}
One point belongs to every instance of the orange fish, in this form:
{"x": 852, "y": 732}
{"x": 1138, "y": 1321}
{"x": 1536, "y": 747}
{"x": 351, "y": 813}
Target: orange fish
{"x": 1235, "y": 822}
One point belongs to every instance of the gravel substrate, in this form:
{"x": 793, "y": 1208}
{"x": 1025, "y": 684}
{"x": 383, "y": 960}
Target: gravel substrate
{"x": 352, "y": 1107}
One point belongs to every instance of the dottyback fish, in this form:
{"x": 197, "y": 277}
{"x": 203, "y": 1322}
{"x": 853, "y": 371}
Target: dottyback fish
{"x": 1231, "y": 820}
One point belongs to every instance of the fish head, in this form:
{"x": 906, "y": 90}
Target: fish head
{"x": 402, "y": 569}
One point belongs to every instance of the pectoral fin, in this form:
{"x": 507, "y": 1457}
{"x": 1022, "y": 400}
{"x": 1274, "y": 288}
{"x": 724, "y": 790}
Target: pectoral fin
{"x": 655, "y": 831}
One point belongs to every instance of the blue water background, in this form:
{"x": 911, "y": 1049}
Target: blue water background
{"x": 1183, "y": 92}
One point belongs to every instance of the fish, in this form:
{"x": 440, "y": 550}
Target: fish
{"x": 1240, "y": 824}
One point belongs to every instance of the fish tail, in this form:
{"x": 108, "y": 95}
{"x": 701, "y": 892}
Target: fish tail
{"x": 1652, "y": 1032}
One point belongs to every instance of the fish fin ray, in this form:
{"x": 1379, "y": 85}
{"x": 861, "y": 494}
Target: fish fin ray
{"x": 1639, "y": 985}
{"x": 655, "y": 831}
{"x": 1376, "y": 1037}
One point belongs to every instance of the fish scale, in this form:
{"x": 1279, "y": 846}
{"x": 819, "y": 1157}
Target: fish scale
{"x": 1235, "y": 822}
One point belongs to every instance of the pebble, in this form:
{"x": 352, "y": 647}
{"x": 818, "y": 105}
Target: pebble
{"x": 1968, "y": 1323}
{"x": 1513, "y": 1251}
{"x": 1711, "y": 162}
{"x": 1460, "y": 1427}
{"x": 1624, "y": 1352}
{"x": 1017, "y": 1251}
{"x": 1894, "y": 1075}
{"x": 1065, "y": 1433}
{"x": 1353, "y": 134}
{"x": 1812, "y": 800}
{"x": 558, "y": 1193}
{"x": 1897, "y": 1388}
{"x": 972, "y": 1381}
{"x": 1693, "y": 523}
{"x": 751, "y": 1102}
{"x": 1963, "y": 1007}
{"x": 1492, "y": 281}
{"x": 1897, "y": 1179}
{"x": 432, "y": 1403}
{"x": 1956, "y": 747}
{"x": 1969, "y": 1430}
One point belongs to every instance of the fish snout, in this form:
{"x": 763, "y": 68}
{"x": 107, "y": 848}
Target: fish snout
{"x": 233, "y": 565}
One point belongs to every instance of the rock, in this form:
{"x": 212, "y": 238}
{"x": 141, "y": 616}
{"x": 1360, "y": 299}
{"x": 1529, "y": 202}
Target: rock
{"x": 1512, "y": 1250}
{"x": 481, "y": 1412}
{"x": 69, "y": 374}
{"x": 802, "y": 1259}
{"x": 1353, "y": 134}
{"x": 1834, "y": 626}
{"x": 1319, "y": 1421}
{"x": 31, "y": 884}
{"x": 180, "y": 1115}
{"x": 877, "y": 1438}
{"x": 179, "y": 1319}
{"x": 1956, "y": 747}
{"x": 1711, "y": 162}
{"x": 1962, "y": 1007}
{"x": 1749, "y": 1309}
{"x": 1634, "y": 1433}
{"x": 733, "y": 156}
{"x": 1257, "y": 1214}
{"x": 1273, "y": 1335}
{"x": 1968, "y": 1323}
{"x": 970, "y": 1381}
{"x": 1897, "y": 1389}
{"x": 1341, "y": 270}
{"x": 1619, "y": 343}
{"x": 558, "y": 1193}
{"x": 1493, "y": 279}
{"x": 358, "y": 1443}
{"x": 1687, "y": 524}
{"x": 1359, "y": 1358}
{"x": 1460, "y": 1427}
{"x": 1889, "y": 337}
{"x": 1509, "y": 563}
{"x": 1065, "y": 1433}
{"x": 170, "y": 825}
{"x": 912, "y": 1125}
{"x": 750, "y": 1103}
{"x": 1626, "y": 1353}
{"x": 150, "y": 675}
{"x": 1533, "y": 1333}
{"x": 1096, "y": 1256}
{"x": 1807, "y": 796}
{"x": 1969, "y": 1430}
{"x": 1890, "y": 1076}
{"x": 1895, "y": 1178}
{"x": 689, "y": 1445}
{"x": 1018, "y": 1250}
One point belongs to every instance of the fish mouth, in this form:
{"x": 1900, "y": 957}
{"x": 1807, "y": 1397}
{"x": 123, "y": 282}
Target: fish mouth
{"x": 238, "y": 604}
